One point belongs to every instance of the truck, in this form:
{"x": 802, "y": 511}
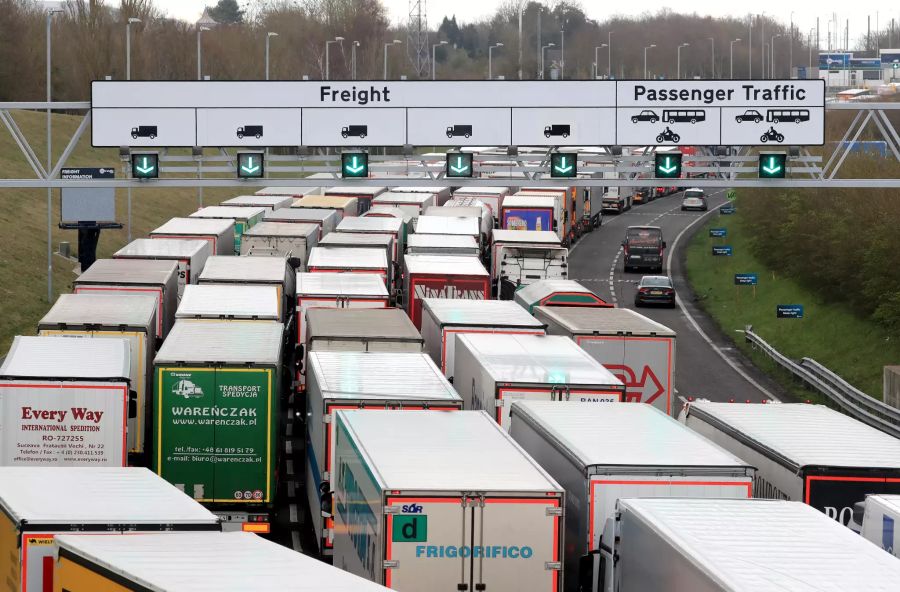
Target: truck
{"x": 437, "y": 276}
{"x": 353, "y": 260}
{"x": 255, "y": 271}
{"x": 295, "y": 192}
{"x": 443, "y": 319}
{"x": 492, "y": 197}
{"x": 326, "y": 220}
{"x": 363, "y": 195}
{"x": 638, "y": 351}
{"x": 567, "y": 210}
{"x": 218, "y": 233}
{"x": 616, "y": 200}
{"x": 605, "y": 452}
{"x": 457, "y": 130}
{"x": 803, "y": 452}
{"x": 358, "y": 240}
{"x": 344, "y": 206}
{"x": 250, "y": 130}
{"x": 389, "y": 211}
{"x": 643, "y": 248}
{"x": 522, "y": 257}
{"x": 359, "y": 131}
{"x": 881, "y": 515}
{"x": 557, "y": 293}
{"x": 467, "y": 207}
{"x": 442, "y": 244}
{"x": 243, "y": 218}
{"x": 378, "y": 225}
{"x": 159, "y": 562}
{"x": 132, "y": 277}
{"x": 103, "y": 316}
{"x": 442, "y": 194}
{"x": 269, "y": 202}
{"x": 65, "y": 402}
{"x": 557, "y": 129}
{"x": 413, "y": 203}
{"x": 355, "y": 380}
{"x": 493, "y": 370}
{"x": 530, "y": 212}
{"x": 283, "y": 240}
{"x": 250, "y": 302}
{"x": 144, "y": 131}
{"x": 449, "y": 221}
{"x": 440, "y": 519}
{"x": 732, "y": 545}
{"x": 190, "y": 254}
{"x": 40, "y": 505}
{"x": 217, "y": 405}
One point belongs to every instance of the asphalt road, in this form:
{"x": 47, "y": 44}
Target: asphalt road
{"x": 706, "y": 361}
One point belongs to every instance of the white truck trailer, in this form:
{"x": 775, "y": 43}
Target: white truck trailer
{"x": 356, "y": 380}
{"x": 808, "y": 453}
{"x": 228, "y": 302}
{"x": 352, "y": 260}
{"x": 462, "y": 507}
{"x": 412, "y": 203}
{"x": 326, "y": 220}
{"x": 378, "y": 225}
{"x": 442, "y": 244}
{"x": 493, "y": 370}
{"x": 879, "y": 523}
{"x": 219, "y": 233}
{"x": 492, "y": 197}
{"x": 638, "y": 350}
{"x": 281, "y": 239}
{"x": 600, "y": 453}
{"x": 731, "y": 545}
{"x": 270, "y": 202}
{"x": 523, "y": 257}
{"x": 190, "y": 254}
{"x": 243, "y": 218}
{"x": 254, "y": 271}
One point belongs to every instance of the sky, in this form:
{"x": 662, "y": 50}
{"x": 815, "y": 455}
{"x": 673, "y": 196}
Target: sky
{"x": 804, "y": 19}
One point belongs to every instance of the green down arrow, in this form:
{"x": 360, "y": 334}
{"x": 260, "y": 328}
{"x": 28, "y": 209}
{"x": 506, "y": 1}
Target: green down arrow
{"x": 459, "y": 167}
{"x": 249, "y": 168}
{"x": 561, "y": 167}
{"x": 773, "y": 167}
{"x": 354, "y": 167}
{"x": 667, "y": 168}
{"x": 144, "y": 168}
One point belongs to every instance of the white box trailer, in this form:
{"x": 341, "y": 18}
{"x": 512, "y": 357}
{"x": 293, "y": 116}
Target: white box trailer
{"x": 600, "y": 453}
{"x": 437, "y": 276}
{"x": 119, "y": 317}
{"x": 190, "y": 254}
{"x": 337, "y": 290}
{"x": 730, "y": 545}
{"x": 442, "y": 244}
{"x": 225, "y": 302}
{"x": 326, "y": 220}
{"x": 411, "y": 203}
{"x": 492, "y": 197}
{"x": 431, "y": 501}
{"x": 807, "y": 453}
{"x": 364, "y": 195}
{"x": 358, "y": 240}
{"x": 523, "y": 257}
{"x": 638, "y": 350}
{"x": 65, "y": 402}
{"x": 360, "y": 380}
{"x": 351, "y": 260}
{"x": 219, "y": 233}
{"x": 343, "y": 205}
{"x": 450, "y": 224}
{"x": 281, "y": 239}
{"x": 445, "y": 318}
{"x": 295, "y": 192}
{"x": 243, "y": 218}
{"x": 39, "y": 504}
{"x": 442, "y": 194}
{"x": 453, "y": 210}
{"x": 557, "y": 293}
{"x": 880, "y": 522}
{"x": 254, "y": 271}
{"x": 270, "y": 202}
{"x": 135, "y": 277}
{"x": 493, "y": 370}
{"x": 224, "y": 562}
{"x": 379, "y": 225}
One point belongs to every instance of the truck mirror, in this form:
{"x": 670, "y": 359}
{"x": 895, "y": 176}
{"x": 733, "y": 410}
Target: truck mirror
{"x": 664, "y": 244}
{"x": 132, "y": 404}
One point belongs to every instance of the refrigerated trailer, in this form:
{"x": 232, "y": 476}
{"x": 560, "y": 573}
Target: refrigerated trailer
{"x": 337, "y": 290}
{"x": 452, "y": 209}
{"x": 522, "y": 257}
{"x": 492, "y": 197}
{"x": 441, "y": 194}
{"x": 132, "y": 277}
{"x": 557, "y": 293}
{"x": 352, "y": 260}
{"x": 119, "y": 317}
{"x": 344, "y": 206}
{"x": 429, "y": 501}
{"x": 39, "y": 504}
{"x": 66, "y": 402}
{"x": 281, "y": 239}
{"x": 358, "y": 240}
{"x": 217, "y": 404}
{"x": 378, "y": 225}
{"x": 411, "y": 203}
{"x": 807, "y": 453}
{"x": 451, "y": 223}
{"x": 880, "y": 522}
{"x": 638, "y": 350}
{"x": 363, "y": 195}
{"x": 442, "y": 244}
{"x": 228, "y": 302}
{"x": 243, "y": 218}
{"x": 436, "y": 276}
{"x": 730, "y": 545}
{"x": 358, "y": 380}
{"x": 600, "y": 453}
{"x": 254, "y": 271}
{"x": 443, "y": 319}
{"x": 326, "y": 220}
{"x": 269, "y": 202}
{"x": 190, "y": 254}
{"x": 493, "y": 370}
{"x": 218, "y": 233}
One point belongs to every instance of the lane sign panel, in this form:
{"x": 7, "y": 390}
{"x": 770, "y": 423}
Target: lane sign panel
{"x": 459, "y": 165}
{"x": 354, "y": 127}
{"x": 250, "y": 165}
{"x": 145, "y": 165}
{"x": 459, "y": 127}
{"x": 248, "y": 127}
{"x": 354, "y": 165}
{"x": 563, "y": 165}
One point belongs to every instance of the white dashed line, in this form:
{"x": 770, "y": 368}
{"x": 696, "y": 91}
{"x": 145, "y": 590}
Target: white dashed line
{"x": 290, "y": 467}
{"x": 288, "y": 447}
{"x": 292, "y": 510}
{"x": 292, "y": 489}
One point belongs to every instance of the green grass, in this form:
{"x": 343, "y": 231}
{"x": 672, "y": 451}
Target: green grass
{"x": 855, "y": 348}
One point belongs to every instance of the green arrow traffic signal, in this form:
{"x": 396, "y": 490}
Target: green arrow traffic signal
{"x": 668, "y": 166}
{"x": 145, "y": 165}
{"x": 772, "y": 165}
{"x": 459, "y": 164}
{"x": 250, "y": 165}
{"x": 354, "y": 165}
{"x": 563, "y": 165}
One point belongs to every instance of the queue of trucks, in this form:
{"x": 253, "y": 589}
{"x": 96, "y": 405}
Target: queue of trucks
{"x": 524, "y": 459}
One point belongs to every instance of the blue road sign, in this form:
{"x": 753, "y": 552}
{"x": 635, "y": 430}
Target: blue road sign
{"x": 746, "y": 279}
{"x": 722, "y": 251}
{"x": 718, "y": 232}
{"x": 789, "y": 311}
{"x": 727, "y": 209}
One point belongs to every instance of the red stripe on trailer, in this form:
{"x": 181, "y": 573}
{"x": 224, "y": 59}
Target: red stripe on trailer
{"x": 811, "y": 478}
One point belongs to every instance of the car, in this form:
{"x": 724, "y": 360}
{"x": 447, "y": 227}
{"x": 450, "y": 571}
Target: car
{"x": 645, "y": 115}
{"x": 694, "y": 199}
{"x": 644, "y": 194}
{"x": 750, "y": 115}
{"x": 655, "y": 289}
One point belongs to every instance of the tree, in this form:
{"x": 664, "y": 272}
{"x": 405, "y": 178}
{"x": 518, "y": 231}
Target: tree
{"x": 450, "y": 30}
{"x": 226, "y": 12}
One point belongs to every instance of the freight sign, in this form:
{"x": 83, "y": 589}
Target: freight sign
{"x": 746, "y": 279}
{"x": 722, "y": 251}
{"x": 789, "y": 311}
{"x": 457, "y": 113}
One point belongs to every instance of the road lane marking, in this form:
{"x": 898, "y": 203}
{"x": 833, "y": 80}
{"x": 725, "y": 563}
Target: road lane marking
{"x": 295, "y": 541}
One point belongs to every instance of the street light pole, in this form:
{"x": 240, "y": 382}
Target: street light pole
{"x": 597, "y": 59}
{"x": 791, "y": 50}
{"x": 269, "y": 35}
{"x": 750, "y": 48}
{"x": 713, "y": 59}
{"x": 609, "y": 56}
{"x": 199, "y": 56}
{"x": 327, "y": 61}
{"x": 50, "y": 14}
{"x": 386, "y": 46}
{"x": 521, "y": 10}
{"x": 353, "y": 47}
{"x": 731, "y": 69}
{"x": 678, "y": 52}
{"x": 543, "y": 53}
{"x": 434, "y": 60}
{"x": 491, "y": 60}
{"x": 772, "y": 56}
{"x": 128, "y": 24}
{"x": 645, "y": 59}
{"x": 562, "y": 52}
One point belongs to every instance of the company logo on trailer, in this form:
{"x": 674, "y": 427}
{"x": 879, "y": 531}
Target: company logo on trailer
{"x": 59, "y": 415}
{"x": 187, "y": 389}
{"x": 448, "y": 292}
{"x": 412, "y": 509}
{"x": 487, "y": 552}
{"x": 645, "y": 389}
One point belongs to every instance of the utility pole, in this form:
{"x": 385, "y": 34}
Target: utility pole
{"x": 609, "y": 64}
{"x": 712, "y": 64}
{"x": 521, "y": 10}
{"x": 50, "y": 14}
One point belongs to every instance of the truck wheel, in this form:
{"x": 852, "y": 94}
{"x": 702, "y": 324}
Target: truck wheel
{"x": 565, "y": 135}
{"x": 362, "y": 136}
{"x": 468, "y": 135}
{"x": 258, "y": 136}
{"x": 240, "y": 136}
{"x": 152, "y": 136}
{"x": 134, "y": 136}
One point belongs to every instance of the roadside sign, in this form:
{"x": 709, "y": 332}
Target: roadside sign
{"x": 459, "y": 165}
{"x": 88, "y": 173}
{"x": 668, "y": 166}
{"x": 718, "y": 232}
{"x": 722, "y": 251}
{"x": 772, "y": 165}
{"x": 727, "y": 210}
{"x": 746, "y": 279}
{"x": 354, "y": 165}
{"x": 789, "y": 311}
{"x": 145, "y": 165}
{"x": 563, "y": 165}
{"x": 250, "y": 165}
{"x": 731, "y": 194}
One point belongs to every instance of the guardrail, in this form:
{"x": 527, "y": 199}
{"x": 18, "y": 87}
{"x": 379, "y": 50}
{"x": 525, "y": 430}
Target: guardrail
{"x": 845, "y": 396}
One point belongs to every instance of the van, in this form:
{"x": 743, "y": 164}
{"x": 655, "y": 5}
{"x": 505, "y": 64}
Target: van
{"x": 250, "y": 130}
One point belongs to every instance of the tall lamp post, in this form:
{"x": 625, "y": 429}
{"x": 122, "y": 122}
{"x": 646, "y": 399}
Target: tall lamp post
{"x": 386, "y": 46}
{"x": 353, "y": 47}
{"x": 678, "y": 52}
{"x": 521, "y": 10}
{"x": 131, "y": 21}
{"x": 327, "y": 61}
{"x": 50, "y": 14}
{"x": 772, "y": 56}
{"x": 491, "y": 59}
{"x": 731, "y": 60}
{"x": 597, "y": 59}
{"x": 645, "y": 59}
{"x": 200, "y": 30}
{"x": 269, "y": 36}
{"x": 609, "y": 55}
{"x": 712, "y": 61}
{"x": 434, "y": 60}
{"x": 543, "y": 54}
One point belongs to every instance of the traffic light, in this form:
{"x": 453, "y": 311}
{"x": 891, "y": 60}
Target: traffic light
{"x": 250, "y": 165}
{"x": 459, "y": 164}
{"x": 563, "y": 165}
{"x": 772, "y": 165}
{"x": 145, "y": 165}
{"x": 354, "y": 165}
{"x": 668, "y": 166}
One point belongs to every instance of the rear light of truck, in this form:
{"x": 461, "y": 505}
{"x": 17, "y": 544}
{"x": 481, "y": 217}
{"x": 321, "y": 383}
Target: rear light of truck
{"x": 257, "y": 527}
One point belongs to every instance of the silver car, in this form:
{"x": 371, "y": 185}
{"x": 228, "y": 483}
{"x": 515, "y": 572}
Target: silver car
{"x": 694, "y": 199}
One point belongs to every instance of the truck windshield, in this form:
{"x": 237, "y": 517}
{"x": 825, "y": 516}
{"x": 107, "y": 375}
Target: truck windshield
{"x": 650, "y": 238}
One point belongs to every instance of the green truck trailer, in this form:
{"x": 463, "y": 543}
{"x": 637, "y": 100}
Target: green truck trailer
{"x": 217, "y": 400}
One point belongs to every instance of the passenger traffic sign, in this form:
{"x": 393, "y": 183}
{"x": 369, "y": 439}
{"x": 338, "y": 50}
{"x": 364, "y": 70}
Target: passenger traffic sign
{"x": 145, "y": 165}
{"x": 746, "y": 279}
{"x": 772, "y": 165}
{"x": 668, "y": 166}
{"x": 459, "y": 164}
{"x": 354, "y": 165}
{"x": 250, "y": 165}
{"x": 718, "y": 232}
{"x": 722, "y": 251}
{"x": 789, "y": 311}
{"x": 563, "y": 165}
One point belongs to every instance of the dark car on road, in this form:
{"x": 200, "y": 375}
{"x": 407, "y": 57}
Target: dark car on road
{"x": 750, "y": 115}
{"x": 655, "y": 289}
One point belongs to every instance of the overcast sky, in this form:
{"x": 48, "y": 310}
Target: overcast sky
{"x": 471, "y": 10}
